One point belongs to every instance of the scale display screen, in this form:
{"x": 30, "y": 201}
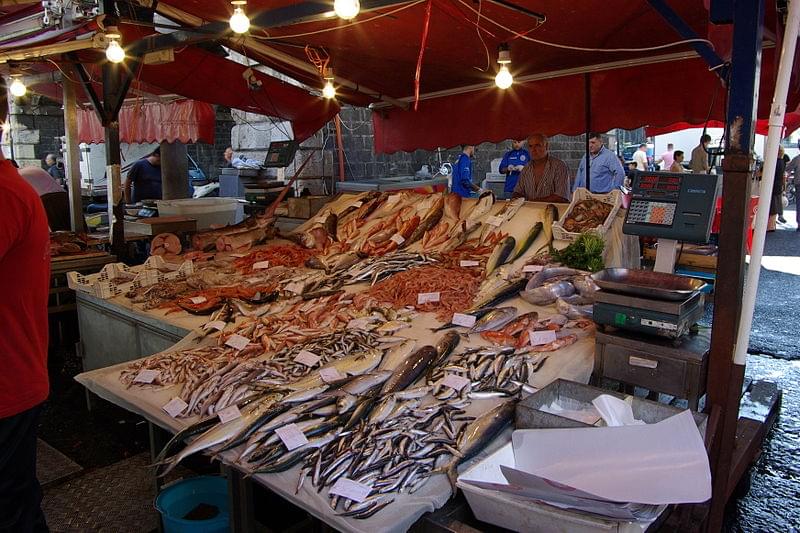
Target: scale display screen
{"x": 280, "y": 154}
{"x": 672, "y": 206}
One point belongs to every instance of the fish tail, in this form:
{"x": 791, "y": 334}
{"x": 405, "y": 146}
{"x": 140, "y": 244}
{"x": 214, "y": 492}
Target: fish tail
{"x": 170, "y": 463}
{"x": 450, "y": 471}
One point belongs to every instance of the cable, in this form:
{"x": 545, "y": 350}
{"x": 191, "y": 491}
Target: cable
{"x": 582, "y": 49}
{"x": 478, "y": 30}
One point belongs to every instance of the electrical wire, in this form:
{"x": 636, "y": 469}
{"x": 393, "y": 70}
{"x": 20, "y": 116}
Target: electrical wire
{"x": 478, "y": 30}
{"x": 64, "y": 73}
{"x": 251, "y": 94}
{"x": 583, "y": 49}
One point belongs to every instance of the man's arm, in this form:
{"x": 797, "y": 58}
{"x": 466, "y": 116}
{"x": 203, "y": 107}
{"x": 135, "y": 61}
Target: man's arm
{"x": 132, "y": 173}
{"x": 580, "y": 177}
{"x": 504, "y": 164}
{"x": 617, "y": 172}
{"x": 561, "y": 189}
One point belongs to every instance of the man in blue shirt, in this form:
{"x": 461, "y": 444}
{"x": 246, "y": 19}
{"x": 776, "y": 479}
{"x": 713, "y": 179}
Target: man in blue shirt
{"x": 461, "y": 183}
{"x": 145, "y": 176}
{"x": 605, "y": 170}
{"x": 511, "y": 165}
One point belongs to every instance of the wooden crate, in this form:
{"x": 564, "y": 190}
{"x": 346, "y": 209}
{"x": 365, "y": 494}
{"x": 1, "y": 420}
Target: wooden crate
{"x": 306, "y": 206}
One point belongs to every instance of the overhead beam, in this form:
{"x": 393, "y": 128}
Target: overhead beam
{"x": 86, "y": 82}
{"x": 98, "y": 40}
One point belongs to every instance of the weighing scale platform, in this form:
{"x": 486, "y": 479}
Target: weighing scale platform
{"x": 663, "y": 318}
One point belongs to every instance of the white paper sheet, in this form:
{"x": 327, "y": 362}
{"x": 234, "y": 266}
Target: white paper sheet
{"x": 615, "y": 412}
{"x": 659, "y": 463}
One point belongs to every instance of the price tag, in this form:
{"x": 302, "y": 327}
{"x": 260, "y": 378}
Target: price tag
{"x": 330, "y": 374}
{"x": 460, "y": 319}
{"x": 359, "y": 323}
{"x": 146, "y": 376}
{"x": 261, "y": 265}
{"x": 467, "y": 263}
{"x": 229, "y": 413}
{"x": 397, "y": 239}
{"x": 393, "y": 199}
{"x": 174, "y": 407}
{"x": 532, "y": 268}
{"x": 253, "y": 281}
{"x": 427, "y": 297}
{"x": 495, "y": 221}
{"x": 352, "y": 490}
{"x": 307, "y": 358}
{"x": 538, "y": 338}
{"x": 295, "y": 287}
{"x": 291, "y": 436}
{"x": 238, "y": 255}
{"x": 454, "y": 381}
{"x": 237, "y": 342}
{"x": 357, "y": 204}
{"x": 198, "y": 299}
{"x": 216, "y": 324}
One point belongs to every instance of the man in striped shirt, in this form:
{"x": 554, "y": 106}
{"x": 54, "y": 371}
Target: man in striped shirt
{"x": 545, "y": 178}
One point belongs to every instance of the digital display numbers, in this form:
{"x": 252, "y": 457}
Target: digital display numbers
{"x": 660, "y": 183}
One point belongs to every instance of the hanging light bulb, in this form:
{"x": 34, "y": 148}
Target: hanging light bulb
{"x": 17, "y": 87}
{"x": 346, "y": 9}
{"x": 239, "y": 22}
{"x": 114, "y": 51}
{"x": 504, "y": 79}
{"x": 328, "y": 91}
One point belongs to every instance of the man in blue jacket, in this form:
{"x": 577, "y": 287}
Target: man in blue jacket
{"x": 461, "y": 183}
{"x": 605, "y": 170}
{"x": 511, "y": 165}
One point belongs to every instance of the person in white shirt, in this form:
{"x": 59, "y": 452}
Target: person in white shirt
{"x": 640, "y": 157}
{"x": 667, "y": 157}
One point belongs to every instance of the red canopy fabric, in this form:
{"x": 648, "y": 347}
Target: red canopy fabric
{"x": 186, "y": 121}
{"x": 791, "y": 121}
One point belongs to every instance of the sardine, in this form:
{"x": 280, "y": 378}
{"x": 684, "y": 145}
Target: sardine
{"x": 495, "y": 319}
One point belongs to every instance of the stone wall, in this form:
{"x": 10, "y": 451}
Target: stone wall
{"x": 35, "y": 129}
{"x": 209, "y": 157}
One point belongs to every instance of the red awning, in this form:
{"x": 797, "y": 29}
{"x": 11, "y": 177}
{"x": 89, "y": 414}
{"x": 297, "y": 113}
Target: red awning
{"x": 791, "y": 121}
{"x": 186, "y": 121}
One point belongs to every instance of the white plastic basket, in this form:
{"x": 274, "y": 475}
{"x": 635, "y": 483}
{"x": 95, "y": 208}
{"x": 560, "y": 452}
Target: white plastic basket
{"x": 614, "y": 198}
{"x": 103, "y": 285}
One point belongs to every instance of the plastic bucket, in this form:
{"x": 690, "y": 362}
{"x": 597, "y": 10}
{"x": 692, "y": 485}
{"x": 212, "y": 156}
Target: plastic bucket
{"x": 176, "y": 501}
{"x": 207, "y": 211}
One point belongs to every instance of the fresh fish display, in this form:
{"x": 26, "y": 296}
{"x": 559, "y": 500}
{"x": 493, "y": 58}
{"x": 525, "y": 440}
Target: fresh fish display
{"x": 549, "y": 293}
{"x": 482, "y": 206}
{"x": 550, "y": 216}
{"x": 494, "y": 319}
{"x": 547, "y": 274}
{"x": 477, "y": 314}
{"x": 575, "y": 306}
{"x": 410, "y": 369}
{"x": 506, "y": 213}
{"x": 504, "y": 292}
{"x": 377, "y": 268}
{"x": 500, "y": 254}
{"x": 524, "y": 244}
{"x": 429, "y": 220}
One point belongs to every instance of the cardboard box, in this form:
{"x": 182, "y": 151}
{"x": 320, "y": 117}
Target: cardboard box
{"x": 306, "y": 206}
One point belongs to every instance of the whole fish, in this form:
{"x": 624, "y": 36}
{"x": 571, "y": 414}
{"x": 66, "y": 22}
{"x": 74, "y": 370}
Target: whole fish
{"x": 459, "y": 235}
{"x": 410, "y": 369}
{"x": 341, "y": 261}
{"x": 541, "y": 277}
{"x": 547, "y": 294}
{"x": 506, "y": 213}
{"x": 315, "y": 262}
{"x": 429, "y": 220}
{"x": 527, "y": 242}
{"x": 445, "y": 346}
{"x": 397, "y": 355}
{"x": 550, "y": 217}
{"x": 585, "y": 286}
{"x": 500, "y": 254}
{"x": 495, "y": 319}
{"x": 575, "y": 306}
{"x": 330, "y": 224}
{"x": 482, "y": 206}
{"x": 476, "y": 435}
{"x": 503, "y": 293}
{"x": 354, "y": 364}
{"x": 477, "y": 314}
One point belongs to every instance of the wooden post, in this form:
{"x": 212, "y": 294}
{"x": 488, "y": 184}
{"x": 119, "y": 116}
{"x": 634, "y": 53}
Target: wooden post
{"x": 72, "y": 155}
{"x": 174, "y": 171}
{"x": 111, "y": 95}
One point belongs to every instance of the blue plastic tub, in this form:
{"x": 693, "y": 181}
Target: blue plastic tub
{"x": 175, "y": 501}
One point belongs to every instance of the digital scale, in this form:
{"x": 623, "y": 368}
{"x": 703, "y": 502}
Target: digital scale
{"x": 671, "y": 207}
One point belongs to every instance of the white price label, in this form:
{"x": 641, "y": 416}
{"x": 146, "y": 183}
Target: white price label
{"x": 460, "y": 319}
{"x": 215, "y": 324}
{"x": 539, "y": 338}
{"x": 532, "y": 268}
{"x": 397, "y": 239}
{"x": 358, "y": 323}
{"x": 261, "y": 265}
{"x": 393, "y": 199}
{"x": 146, "y": 376}
{"x": 307, "y": 358}
{"x": 454, "y": 381}
{"x": 253, "y": 281}
{"x": 237, "y": 342}
{"x": 291, "y": 436}
{"x": 352, "y": 490}
{"x": 330, "y": 374}
{"x": 174, "y": 407}
{"x": 229, "y": 413}
{"x": 427, "y": 297}
{"x": 357, "y": 204}
{"x": 198, "y": 299}
{"x": 295, "y": 287}
{"x": 238, "y": 255}
{"x": 468, "y": 263}
{"x": 495, "y": 221}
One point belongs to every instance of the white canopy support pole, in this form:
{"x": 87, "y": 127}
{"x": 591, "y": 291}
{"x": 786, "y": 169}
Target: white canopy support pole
{"x": 72, "y": 155}
{"x": 777, "y": 111}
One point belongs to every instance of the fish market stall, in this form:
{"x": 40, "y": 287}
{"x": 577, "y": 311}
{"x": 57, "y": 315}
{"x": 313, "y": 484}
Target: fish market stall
{"x": 395, "y": 183}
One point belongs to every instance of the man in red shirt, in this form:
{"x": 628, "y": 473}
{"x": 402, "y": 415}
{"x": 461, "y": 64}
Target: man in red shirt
{"x": 24, "y": 285}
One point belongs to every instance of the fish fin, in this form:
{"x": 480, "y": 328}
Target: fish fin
{"x": 171, "y": 463}
{"x": 449, "y": 470}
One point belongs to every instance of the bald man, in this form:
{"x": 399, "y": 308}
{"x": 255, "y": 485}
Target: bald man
{"x": 545, "y": 178}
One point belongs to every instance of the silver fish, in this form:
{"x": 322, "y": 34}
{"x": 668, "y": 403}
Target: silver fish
{"x": 575, "y": 306}
{"x": 410, "y": 369}
{"x": 541, "y": 277}
{"x": 547, "y": 294}
{"x": 494, "y": 319}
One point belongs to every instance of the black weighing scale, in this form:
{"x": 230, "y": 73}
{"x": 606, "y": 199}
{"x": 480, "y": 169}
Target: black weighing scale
{"x": 671, "y": 207}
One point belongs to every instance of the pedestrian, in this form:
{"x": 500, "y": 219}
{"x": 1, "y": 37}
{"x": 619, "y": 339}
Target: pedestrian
{"x": 513, "y": 162}
{"x": 640, "y": 157}
{"x": 228, "y": 157}
{"x": 668, "y": 157}
{"x": 605, "y": 171}
{"x": 24, "y": 386}
{"x": 545, "y": 178}
{"x": 776, "y": 200}
{"x": 462, "y": 173}
{"x": 793, "y": 173}
{"x": 55, "y": 168}
{"x": 54, "y": 198}
{"x": 677, "y": 163}
{"x": 699, "y": 163}
{"x": 145, "y": 177}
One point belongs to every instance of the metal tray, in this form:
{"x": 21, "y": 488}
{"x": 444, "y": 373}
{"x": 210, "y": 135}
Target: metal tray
{"x": 647, "y": 283}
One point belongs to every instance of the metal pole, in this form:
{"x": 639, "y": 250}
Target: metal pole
{"x": 587, "y": 92}
{"x": 724, "y": 377}
{"x": 111, "y": 87}
{"x": 72, "y": 156}
{"x": 339, "y": 145}
{"x": 770, "y": 161}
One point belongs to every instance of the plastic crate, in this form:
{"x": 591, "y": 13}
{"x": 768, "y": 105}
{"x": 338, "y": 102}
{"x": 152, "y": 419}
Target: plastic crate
{"x": 614, "y": 198}
{"x": 102, "y": 284}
